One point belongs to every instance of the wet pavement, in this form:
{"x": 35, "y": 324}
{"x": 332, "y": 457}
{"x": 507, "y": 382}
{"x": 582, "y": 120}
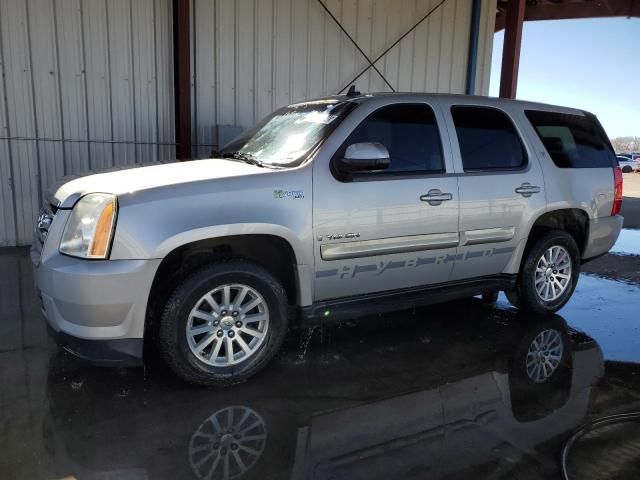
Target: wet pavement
{"x": 628, "y": 243}
{"x": 438, "y": 392}
{"x": 623, "y": 261}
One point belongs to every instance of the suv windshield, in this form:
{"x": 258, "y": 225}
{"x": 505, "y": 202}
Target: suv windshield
{"x": 286, "y": 136}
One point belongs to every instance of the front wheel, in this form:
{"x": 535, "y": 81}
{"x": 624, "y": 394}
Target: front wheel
{"x": 223, "y": 323}
{"x": 549, "y": 273}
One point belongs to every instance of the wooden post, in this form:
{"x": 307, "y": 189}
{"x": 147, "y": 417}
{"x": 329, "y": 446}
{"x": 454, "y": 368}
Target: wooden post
{"x": 182, "y": 77}
{"x": 511, "y": 49}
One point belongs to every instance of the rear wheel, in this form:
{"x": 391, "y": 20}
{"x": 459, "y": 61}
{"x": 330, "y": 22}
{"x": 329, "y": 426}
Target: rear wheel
{"x": 549, "y": 273}
{"x": 627, "y": 169}
{"x": 223, "y": 323}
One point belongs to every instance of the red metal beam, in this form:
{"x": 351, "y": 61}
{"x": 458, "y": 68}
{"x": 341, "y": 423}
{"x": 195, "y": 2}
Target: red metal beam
{"x": 182, "y": 77}
{"x": 511, "y": 48}
{"x": 550, "y": 10}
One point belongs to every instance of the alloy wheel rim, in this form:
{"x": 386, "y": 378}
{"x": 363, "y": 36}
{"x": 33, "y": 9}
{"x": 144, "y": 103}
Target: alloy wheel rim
{"x": 227, "y": 325}
{"x": 544, "y": 355}
{"x": 553, "y": 273}
{"x": 227, "y": 444}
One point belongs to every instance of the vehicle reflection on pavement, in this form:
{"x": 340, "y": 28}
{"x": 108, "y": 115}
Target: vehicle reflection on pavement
{"x": 440, "y": 392}
{"x": 386, "y": 398}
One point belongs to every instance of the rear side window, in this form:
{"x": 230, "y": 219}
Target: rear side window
{"x": 572, "y": 141}
{"x": 410, "y": 134}
{"x": 488, "y": 140}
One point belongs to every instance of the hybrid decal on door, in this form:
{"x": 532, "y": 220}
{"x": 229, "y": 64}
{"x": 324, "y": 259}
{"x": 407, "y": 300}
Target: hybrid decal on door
{"x": 338, "y": 236}
{"x": 278, "y": 194}
{"x": 350, "y": 271}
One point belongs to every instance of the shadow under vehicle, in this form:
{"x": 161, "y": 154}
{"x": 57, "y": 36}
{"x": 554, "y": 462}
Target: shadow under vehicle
{"x": 390, "y": 397}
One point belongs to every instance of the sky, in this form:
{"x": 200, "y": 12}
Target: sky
{"x": 591, "y": 64}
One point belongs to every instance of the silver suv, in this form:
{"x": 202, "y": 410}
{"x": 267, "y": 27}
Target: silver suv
{"x": 327, "y": 209}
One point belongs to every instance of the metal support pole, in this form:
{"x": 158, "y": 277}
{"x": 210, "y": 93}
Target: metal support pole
{"x": 474, "y": 35}
{"x": 182, "y": 77}
{"x": 511, "y": 49}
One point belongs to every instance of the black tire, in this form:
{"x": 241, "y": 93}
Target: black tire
{"x": 627, "y": 169}
{"x": 173, "y": 343}
{"x": 525, "y": 293}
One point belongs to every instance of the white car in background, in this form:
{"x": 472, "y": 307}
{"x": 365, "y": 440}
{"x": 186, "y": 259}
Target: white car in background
{"x": 629, "y": 164}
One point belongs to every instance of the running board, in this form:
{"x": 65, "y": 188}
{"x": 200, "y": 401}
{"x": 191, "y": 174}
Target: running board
{"x": 401, "y": 299}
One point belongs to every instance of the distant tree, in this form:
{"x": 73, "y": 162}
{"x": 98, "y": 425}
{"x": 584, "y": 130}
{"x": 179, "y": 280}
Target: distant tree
{"x": 626, "y": 144}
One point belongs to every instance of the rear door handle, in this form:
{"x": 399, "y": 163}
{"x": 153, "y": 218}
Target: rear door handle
{"x": 436, "y": 197}
{"x": 526, "y": 189}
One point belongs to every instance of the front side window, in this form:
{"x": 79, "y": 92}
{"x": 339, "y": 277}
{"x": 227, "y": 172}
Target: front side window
{"x": 488, "y": 140}
{"x": 410, "y": 134}
{"x": 285, "y": 137}
{"x": 572, "y": 141}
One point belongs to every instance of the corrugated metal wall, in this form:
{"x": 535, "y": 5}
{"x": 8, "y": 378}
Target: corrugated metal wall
{"x": 252, "y": 56}
{"x": 86, "y": 84}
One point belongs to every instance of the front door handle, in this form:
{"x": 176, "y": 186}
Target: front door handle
{"x": 526, "y": 189}
{"x": 436, "y": 197}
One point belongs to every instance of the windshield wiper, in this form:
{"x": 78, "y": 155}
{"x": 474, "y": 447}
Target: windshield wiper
{"x": 244, "y": 157}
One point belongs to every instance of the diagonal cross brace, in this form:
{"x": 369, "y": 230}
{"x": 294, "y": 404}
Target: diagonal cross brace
{"x": 372, "y": 62}
{"x": 352, "y": 40}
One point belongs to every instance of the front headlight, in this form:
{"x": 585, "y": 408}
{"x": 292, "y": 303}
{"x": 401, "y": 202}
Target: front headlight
{"x": 89, "y": 229}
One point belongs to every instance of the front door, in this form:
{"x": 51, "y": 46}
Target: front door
{"x": 501, "y": 185}
{"x": 386, "y": 229}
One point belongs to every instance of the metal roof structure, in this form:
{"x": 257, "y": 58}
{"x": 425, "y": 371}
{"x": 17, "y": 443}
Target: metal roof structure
{"x": 511, "y": 14}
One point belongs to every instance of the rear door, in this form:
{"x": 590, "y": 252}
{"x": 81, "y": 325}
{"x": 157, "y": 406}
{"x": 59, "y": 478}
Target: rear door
{"x": 387, "y": 229}
{"x": 500, "y": 182}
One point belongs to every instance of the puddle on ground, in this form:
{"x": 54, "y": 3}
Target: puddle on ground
{"x": 608, "y": 311}
{"x": 438, "y": 392}
{"x": 628, "y": 243}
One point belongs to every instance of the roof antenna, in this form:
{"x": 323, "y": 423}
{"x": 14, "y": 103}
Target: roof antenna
{"x": 352, "y": 91}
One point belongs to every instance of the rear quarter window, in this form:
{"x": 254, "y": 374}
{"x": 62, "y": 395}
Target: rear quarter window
{"x": 572, "y": 141}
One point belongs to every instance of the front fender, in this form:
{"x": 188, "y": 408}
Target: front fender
{"x": 218, "y": 231}
{"x": 303, "y": 267}
{"x": 152, "y": 223}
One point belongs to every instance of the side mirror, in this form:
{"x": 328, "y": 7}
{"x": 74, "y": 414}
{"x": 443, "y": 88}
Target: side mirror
{"x": 364, "y": 156}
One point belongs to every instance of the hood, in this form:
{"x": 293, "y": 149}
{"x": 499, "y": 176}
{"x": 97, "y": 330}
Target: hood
{"x": 136, "y": 178}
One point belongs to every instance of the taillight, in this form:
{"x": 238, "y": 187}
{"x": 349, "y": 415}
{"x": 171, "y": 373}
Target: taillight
{"x": 617, "y": 191}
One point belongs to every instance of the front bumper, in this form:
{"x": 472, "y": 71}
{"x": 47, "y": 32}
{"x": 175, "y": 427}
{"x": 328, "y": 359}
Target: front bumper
{"x": 124, "y": 352}
{"x": 96, "y": 309}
